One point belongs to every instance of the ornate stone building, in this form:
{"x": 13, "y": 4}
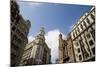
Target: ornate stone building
{"x": 19, "y": 31}
{"x": 83, "y": 37}
{"x": 63, "y": 53}
{"x": 37, "y": 51}
{"x": 80, "y": 43}
{"x": 65, "y": 50}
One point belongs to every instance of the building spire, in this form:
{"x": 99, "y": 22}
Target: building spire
{"x": 60, "y": 36}
{"x": 40, "y": 35}
{"x": 41, "y": 31}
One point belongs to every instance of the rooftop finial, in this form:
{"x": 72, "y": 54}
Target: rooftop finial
{"x": 41, "y": 31}
{"x": 60, "y": 35}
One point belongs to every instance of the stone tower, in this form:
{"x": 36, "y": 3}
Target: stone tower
{"x": 60, "y": 49}
{"x": 63, "y": 53}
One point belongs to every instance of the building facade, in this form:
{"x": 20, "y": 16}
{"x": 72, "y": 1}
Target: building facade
{"x": 65, "y": 49}
{"x": 63, "y": 53}
{"x": 83, "y": 37}
{"x": 37, "y": 52}
{"x": 19, "y": 31}
{"x": 79, "y": 45}
{"x": 70, "y": 49}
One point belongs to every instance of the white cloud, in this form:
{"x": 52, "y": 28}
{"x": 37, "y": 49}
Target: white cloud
{"x": 30, "y": 38}
{"x": 52, "y": 40}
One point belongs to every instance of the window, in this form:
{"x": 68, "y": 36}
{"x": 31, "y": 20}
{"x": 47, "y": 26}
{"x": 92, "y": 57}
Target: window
{"x": 73, "y": 35}
{"x": 13, "y": 56}
{"x": 88, "y": 35}
{"x": 15, "y": 47}
{"x": 22, "y": 36}
{"x": 14, "y": 37}
{"x": 19, "y": 41}
{"x": 12, "y": 19}
{"x": 17, "y": 31}
{"x": 93, "y": 34}
{"x": 76, "y": 55}
{"x": 80, "y": 57}
{"x": 11, "y": 35}
{"x": 84, "y": 23}
{"x": 77, "y": 44}
{"x": 78, "y": 50}
{"x": 78, "y": 30}
{"x": 13, "y": 28}
{"x": 88, "y": 21}
{"x": 92, "y": 16}
{"x": 81, "y": 26}
{"x": 91, "y": 42}
{"x": 93, "y": 50}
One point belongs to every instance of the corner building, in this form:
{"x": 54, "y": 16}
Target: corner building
{"x": 83, "y": 37}
{"x": 37, "y": 52}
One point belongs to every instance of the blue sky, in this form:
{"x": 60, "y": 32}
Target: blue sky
{"x": 53, "y": 17}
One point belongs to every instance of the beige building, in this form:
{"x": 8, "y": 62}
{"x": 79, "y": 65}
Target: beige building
{"x": 63, "y": 53}
{"x": 83, "y": 37}
{"x": 66, "y": 54}
{"x": 19, "y": 31}
{"x": 37, "y": 51}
